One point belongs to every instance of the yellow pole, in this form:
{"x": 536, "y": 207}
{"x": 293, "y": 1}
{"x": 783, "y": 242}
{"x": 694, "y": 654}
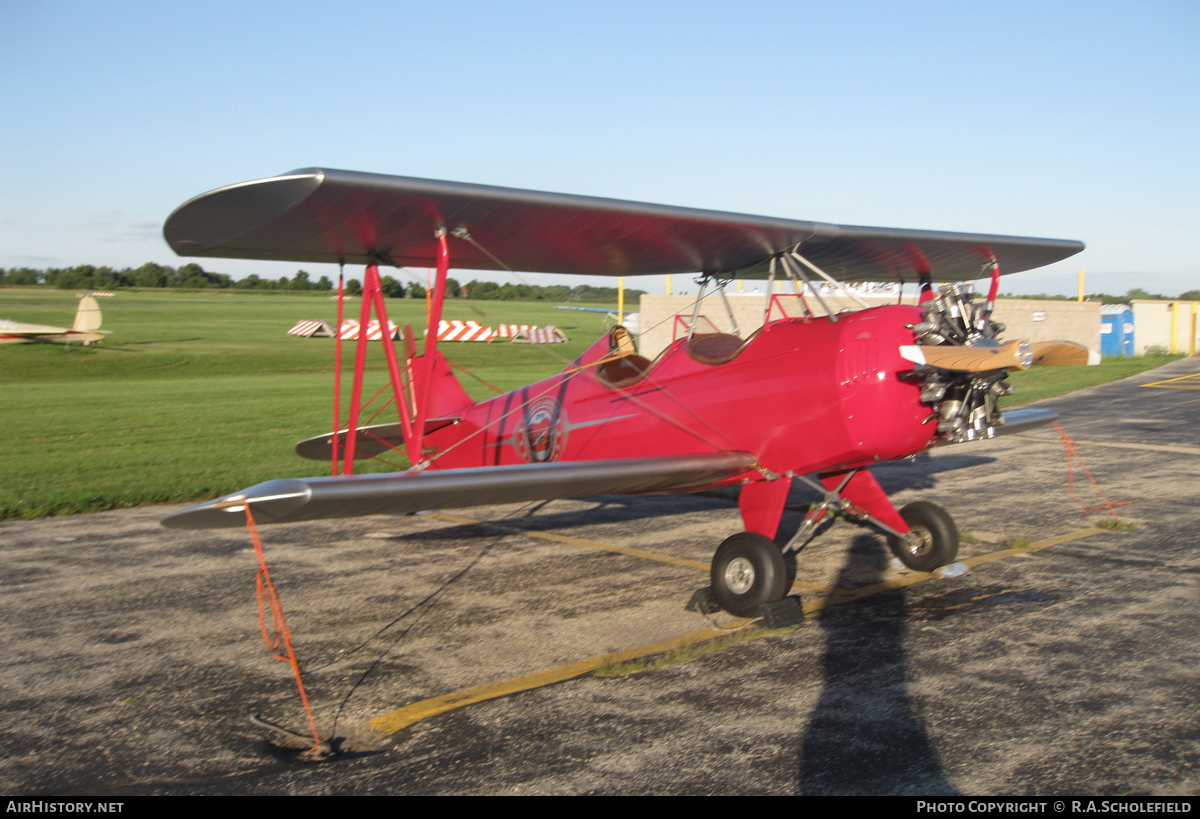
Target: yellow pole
{"x": 668, "y": 284}
{"x": 1174, "y": 325}
{"x": 739, "y": 285}
{"x": 620, "y": 300}
{"x": 1192, "y": 344}
{"x": 1080, "y": 284}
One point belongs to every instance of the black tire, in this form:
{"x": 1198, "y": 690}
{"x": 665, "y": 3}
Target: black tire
{"x": 939, "y": 537}
{"x": 748, "y": 572}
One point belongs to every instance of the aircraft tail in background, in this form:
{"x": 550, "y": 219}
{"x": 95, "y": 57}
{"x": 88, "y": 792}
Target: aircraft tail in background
{"x": 87, "y": 317}
{"x": 86, "y": 329}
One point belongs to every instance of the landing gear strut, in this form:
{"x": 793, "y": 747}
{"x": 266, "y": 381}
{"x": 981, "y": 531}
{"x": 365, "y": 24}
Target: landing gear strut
{"x": 748, "y": 570}
{"x": 930, "y": 543}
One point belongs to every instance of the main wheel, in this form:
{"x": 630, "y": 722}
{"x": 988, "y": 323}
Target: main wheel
{"x": 934, "y": 536}
{"x": 747, "y": 571}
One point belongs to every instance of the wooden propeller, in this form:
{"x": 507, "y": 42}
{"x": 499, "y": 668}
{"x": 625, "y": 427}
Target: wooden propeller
{"x": 1059, "y": 354}
{"x": 1015, "y": 355}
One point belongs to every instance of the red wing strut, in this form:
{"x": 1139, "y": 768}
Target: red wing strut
{"x": 395, "y": 493}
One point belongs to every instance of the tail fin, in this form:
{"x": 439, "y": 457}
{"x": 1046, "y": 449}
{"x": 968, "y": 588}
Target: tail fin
{"x": 87, "y": 317}
{"x": 447, "y": 399}
{"x": 446, "y": 395}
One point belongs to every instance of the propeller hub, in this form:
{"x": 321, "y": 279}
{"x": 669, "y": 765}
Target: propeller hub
{"x": 1025, "y": 355}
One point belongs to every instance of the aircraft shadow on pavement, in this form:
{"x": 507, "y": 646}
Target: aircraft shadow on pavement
{"x": 919, "y": 473}
{"x": 607, "y": 509}
{"x": 865, "y": 736}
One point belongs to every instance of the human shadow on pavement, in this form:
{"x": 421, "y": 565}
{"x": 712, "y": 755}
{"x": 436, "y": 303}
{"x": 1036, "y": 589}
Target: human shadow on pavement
{"x": 865, "y": 735}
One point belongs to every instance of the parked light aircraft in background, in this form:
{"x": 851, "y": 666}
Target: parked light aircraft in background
{"x": 817, "y": 398}
{"x": 85, "y": 330}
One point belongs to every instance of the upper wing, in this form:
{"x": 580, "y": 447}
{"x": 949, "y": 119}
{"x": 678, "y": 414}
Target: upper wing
{"x": 318, "y": 215}
{"x": 394, "y": 493}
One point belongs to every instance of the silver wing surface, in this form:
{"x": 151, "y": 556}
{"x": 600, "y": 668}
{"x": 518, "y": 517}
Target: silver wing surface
{"x": 320, "y": 215}
{"x": 296, "y": 499}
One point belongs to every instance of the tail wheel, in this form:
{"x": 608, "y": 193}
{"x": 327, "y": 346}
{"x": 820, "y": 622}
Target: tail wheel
{"x": 748, "y": 572}
{"x": 932, "y": 540}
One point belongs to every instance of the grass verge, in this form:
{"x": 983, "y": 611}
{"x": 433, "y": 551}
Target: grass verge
{"x": 1040, "y": 383}
{"x": 1114, "y": 525}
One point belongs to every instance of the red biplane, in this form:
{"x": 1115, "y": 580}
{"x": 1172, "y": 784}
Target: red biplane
{"x": 817, "y": 398}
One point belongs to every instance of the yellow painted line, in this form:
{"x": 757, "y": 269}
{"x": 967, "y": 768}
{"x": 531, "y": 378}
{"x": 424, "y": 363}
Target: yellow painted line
{"x": 813, "y": 587}
{"x": 1037, "y": 546}
{"x": 841, "y": 596}
{"x": 401, "y": 718}
{"x": 1169, "y": 384}
{"x": 412, "y": 713}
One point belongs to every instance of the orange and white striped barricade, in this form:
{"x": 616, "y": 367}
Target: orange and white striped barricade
{"x": 312, "y": 329}
{"x": 532, "y": 334}
{"x": 464, "y": 331}
{"x": 350, "y": 328}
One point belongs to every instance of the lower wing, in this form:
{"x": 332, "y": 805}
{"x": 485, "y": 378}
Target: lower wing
{"x": 288, "y": 500}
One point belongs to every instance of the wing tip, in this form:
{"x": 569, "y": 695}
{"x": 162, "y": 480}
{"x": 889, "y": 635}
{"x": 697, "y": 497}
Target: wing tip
{"x": 272, "y": 502}
{"x": 214, "y": 220}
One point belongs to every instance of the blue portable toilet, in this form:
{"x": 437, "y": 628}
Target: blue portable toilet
{"x": 1116, "y": 330}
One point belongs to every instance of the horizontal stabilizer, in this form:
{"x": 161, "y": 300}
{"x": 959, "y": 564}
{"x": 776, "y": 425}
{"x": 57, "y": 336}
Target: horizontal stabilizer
{"x": 370, "y": 441}
{"x": 296, "y": 499}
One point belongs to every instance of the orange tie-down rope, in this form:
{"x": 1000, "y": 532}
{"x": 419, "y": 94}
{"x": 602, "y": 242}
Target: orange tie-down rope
{"x": 278, "y": 633}
{"x": 1072, "y": 453}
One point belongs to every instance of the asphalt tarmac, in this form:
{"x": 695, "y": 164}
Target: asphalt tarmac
{"x": 1063, "y": 662}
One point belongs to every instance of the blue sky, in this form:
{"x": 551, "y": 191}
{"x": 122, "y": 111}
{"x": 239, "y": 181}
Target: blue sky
{"x": 1075, "y": 120}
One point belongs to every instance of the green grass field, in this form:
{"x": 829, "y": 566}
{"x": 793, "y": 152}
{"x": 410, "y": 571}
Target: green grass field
{"x": 1047, "y": 382}
{"x": 197, "y": 394}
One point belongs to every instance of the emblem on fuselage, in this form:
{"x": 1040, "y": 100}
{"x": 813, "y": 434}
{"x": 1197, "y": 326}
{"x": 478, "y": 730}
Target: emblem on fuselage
{"x": 541, "y": 434}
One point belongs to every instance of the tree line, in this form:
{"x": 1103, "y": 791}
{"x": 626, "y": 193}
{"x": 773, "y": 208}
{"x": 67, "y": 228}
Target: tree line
{"x": 193, "y": 277}
{"x": 189, "y": 276}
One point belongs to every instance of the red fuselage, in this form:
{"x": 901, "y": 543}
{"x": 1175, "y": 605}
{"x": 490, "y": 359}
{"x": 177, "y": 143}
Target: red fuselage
{"x": 803, "y": 395}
